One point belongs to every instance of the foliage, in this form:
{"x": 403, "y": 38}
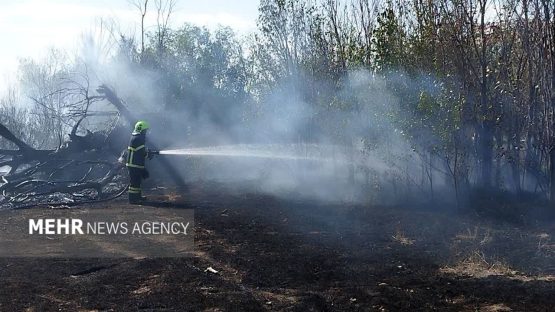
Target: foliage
{"x": 469, "y": 85}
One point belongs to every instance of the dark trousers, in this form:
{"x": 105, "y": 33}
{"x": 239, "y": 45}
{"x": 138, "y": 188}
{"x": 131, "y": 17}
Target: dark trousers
{"x": 135, "y": 179}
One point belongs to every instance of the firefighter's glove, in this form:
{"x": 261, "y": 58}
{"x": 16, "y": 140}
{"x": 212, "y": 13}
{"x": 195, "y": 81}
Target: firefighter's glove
{"x": 146, "y": 175}
{"x": 121, "y": 159}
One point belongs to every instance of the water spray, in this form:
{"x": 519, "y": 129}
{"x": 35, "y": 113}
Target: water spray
{"x": 291, "y": 152}
{"x": 224, "y": 153}
{"x": 284, "y": 152}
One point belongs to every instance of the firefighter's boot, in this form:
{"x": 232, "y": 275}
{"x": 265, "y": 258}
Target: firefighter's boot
{"x": 135, "y": 196}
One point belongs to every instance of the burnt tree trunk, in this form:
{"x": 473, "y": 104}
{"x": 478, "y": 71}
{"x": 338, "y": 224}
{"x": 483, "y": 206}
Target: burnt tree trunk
{"x": 4, "y": 132}
{"x": 552, "y": 175}
{"x": 550, "y": 45}
{"x": 487, "y": 124}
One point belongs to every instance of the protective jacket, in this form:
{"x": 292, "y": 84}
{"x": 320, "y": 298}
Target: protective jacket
{"x": 136, "y": 151}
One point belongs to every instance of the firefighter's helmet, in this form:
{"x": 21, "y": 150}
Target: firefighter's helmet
{"x": 141, "y": 126}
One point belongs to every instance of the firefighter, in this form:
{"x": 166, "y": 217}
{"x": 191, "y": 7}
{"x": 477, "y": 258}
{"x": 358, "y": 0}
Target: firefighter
{"x": 136, "y": 156}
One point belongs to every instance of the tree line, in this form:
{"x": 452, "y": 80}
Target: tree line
{"x": 474, "y": 82}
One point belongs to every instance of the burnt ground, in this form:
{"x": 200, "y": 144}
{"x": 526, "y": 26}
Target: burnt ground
{"x": 299, "y": 255}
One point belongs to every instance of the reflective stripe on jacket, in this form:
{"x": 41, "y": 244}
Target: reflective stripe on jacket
{"x": 136, "y": 151}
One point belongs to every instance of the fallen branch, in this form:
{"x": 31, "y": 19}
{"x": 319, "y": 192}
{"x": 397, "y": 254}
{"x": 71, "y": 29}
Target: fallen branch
{"x": 4, "y": 132}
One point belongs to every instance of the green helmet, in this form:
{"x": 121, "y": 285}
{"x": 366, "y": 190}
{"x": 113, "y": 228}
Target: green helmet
{"x": 141, "y": 126}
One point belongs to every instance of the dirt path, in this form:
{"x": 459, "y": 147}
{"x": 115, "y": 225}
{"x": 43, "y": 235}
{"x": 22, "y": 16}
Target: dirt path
{"x": 274, "y": 254}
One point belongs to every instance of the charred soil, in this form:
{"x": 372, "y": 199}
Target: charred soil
{"x": 278, "y": 254}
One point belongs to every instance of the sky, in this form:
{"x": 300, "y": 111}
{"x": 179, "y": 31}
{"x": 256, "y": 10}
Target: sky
{"x": 28, "y": 28}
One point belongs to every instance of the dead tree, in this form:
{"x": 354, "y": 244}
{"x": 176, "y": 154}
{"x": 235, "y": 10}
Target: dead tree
{"x": 67, "y": 175}
{"x": 83, "y": 169}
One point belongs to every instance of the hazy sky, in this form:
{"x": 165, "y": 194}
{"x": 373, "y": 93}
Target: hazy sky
{"x": 29, "y": 27}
